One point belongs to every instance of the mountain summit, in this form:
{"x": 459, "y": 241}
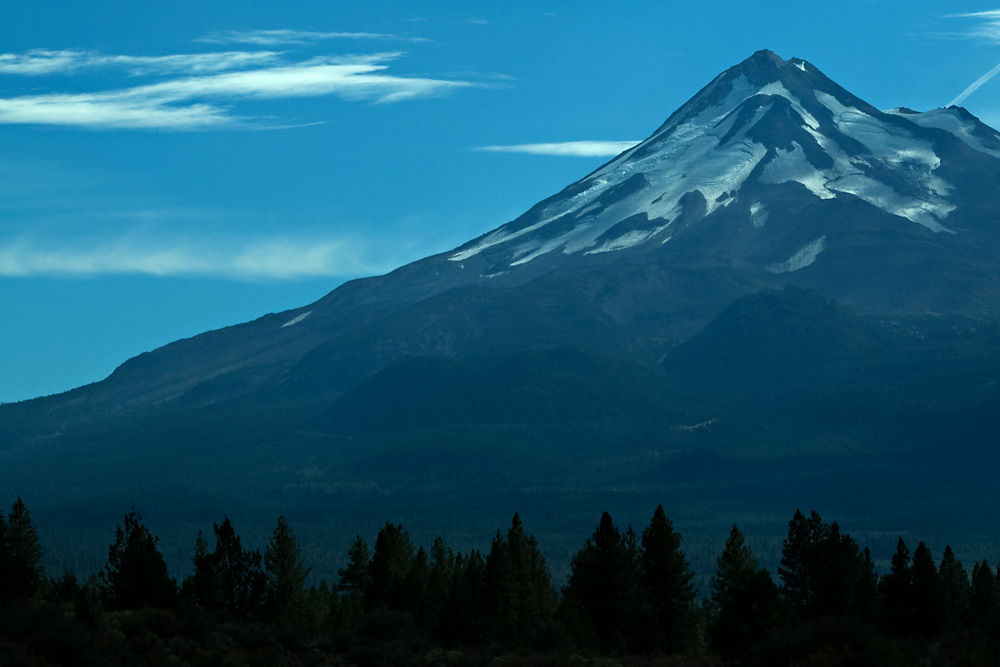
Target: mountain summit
{"x": 762, "y": 147}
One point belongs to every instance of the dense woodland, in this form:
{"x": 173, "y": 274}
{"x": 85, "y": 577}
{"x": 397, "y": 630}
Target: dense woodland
{"x": 628, "y": 598}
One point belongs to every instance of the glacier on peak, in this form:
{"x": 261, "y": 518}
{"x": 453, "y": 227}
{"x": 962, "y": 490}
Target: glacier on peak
{"x": 766, "y": 121}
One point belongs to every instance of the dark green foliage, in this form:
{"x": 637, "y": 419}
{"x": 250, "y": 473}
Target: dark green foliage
{"x": 955, "y": 590}
{"x": 453, "y": 608}
{"x": 604, "y": 596}
{"x": 355, "y": 579}
{"x": 21, "y": 572}
{"x": 752, "y": 608}
{"x": 136, "y": 574}
{"x": 896, "y": 589}
{"x": 519, "y": 591}
{"x": 926, "y": 595}
{"x": 824, "y": 572}
{"x": 389, "y": 568}
{"x": 285, "y": 572}
{"x": 733, "y": 567}
{"x": 229, "y": 580}
{"x": 666, "y": 580}
{"x": 984, "y": 605}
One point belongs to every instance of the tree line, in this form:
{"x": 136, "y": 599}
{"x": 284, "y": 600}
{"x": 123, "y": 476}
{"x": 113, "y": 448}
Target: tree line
{"x": 627, "y": 593}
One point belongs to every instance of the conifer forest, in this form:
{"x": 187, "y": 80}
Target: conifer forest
{"x": 629, "y": 599}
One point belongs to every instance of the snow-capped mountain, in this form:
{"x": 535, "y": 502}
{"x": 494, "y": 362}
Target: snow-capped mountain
{"x": 782, "y": 296}
{"x": 771, "y": 174}
{"x": 763, "y": 145}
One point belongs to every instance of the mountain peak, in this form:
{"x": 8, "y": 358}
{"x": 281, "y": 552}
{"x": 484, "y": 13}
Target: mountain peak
{"x": 764, "y": 130}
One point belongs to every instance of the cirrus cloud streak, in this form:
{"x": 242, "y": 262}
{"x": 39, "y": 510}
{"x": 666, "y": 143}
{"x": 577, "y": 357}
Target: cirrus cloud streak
{"x": 257, "y": 259}
{"x": 212, "y": 86}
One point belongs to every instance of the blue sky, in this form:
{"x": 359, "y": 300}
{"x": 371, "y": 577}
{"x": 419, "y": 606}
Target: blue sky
{"x": 173, "y": 167}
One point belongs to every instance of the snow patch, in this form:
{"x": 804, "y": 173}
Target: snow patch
{"x": 792, "y": 165}
{"x": 949, "y": 121}
{"x": 801, "y": 259}
{"x": 758, "y": 214}
{"x": 296, "y": 320}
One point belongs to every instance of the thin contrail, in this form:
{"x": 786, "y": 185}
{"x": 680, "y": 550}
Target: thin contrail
{"x": 974, "y": 87}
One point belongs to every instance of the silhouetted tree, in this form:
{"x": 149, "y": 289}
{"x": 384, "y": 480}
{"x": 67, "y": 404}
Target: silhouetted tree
{"x": 733, "y": 567}
{"x": 824, "y": 572}
{"x": 896, "y": 589}
{"x": 135, "y": 575}
{"x": 21, "y": 572}
{"x": 389, "y": 567}
{"x": 518, "y": 587}
{"x": 285, "y": 572}
{"x": 926, "y": 596}
{"x": 228, "y": 580}
{"x": 955, "y": 590}
{"x": 984, "y": 603}
{"x": 666, "y": 580}
{"x": 355, "y": 580}
{"x": 799, "y": 561}
{"x": 603, "y": 595}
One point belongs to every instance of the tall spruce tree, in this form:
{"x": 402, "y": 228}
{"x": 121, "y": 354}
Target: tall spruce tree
{"x": 519, "y": 590}
{"x": 984, "y": 602}
{"x": 240, "y": 579}
{"x": 734, "y": 566}
{"x": 135, "y": 575}
{"x": 927, "y": 598}
{"x": 390, "y": 564}
{"x": 666, "y": 579}
{"x": 285, "y": 572}
{"x": 355, "y": 580}
{"x": 603, "y": 596}
{"x": 955, "y": 590}
{"x": 799, "y": 561}
{"x": 22, "y": 574}
{"x": 896, "y": 590}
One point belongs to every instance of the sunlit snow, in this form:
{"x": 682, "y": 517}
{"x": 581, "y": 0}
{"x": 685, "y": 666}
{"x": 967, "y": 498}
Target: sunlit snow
{"x": 801, "y": 259}
{"x": 687, "y": 156}
{"x": 296, "y": 320}
{"x": 949, "y": 121}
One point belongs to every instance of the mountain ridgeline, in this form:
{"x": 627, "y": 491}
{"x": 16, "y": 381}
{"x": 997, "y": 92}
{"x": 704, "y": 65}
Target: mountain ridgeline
{"x": 782, "y": 297}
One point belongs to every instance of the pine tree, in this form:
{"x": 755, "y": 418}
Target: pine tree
{"x": 896, "y": 589}
{"x": 955, "y": 590}
{"x": 799, "y": 559}
{"x": 389, "y": 567}
{"x": 736, "y": 564}
{"x": 519, "y": 590}
{"x": 984, "y": 603}
{"x": 286, "y": 574}
{"x": 22, "y": 572}
{"x": 666, "y": 579}
{"x": 241, "y": 582}
{"x": 203, "y": 585}
{"x": 355, "y": 579}
{"x": 603, "y": 592}
{"x": 135, "y": 575}
{"x": 927, "y": 599}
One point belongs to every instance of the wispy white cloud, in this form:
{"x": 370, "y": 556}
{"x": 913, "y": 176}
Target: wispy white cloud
{"x": 567, "y": 148}
{"x": 257, "y": 259}
{"x": 39, "y": 62}
{"x": 275, "y": 37}
{"x": 205, "y": 100}
{"x": 987, "y": 24}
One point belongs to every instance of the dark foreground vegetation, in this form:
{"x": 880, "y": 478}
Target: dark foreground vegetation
{"x": 628, "y": 600}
